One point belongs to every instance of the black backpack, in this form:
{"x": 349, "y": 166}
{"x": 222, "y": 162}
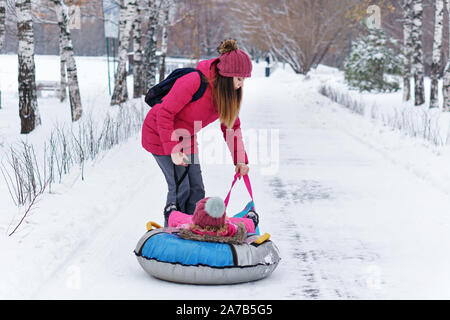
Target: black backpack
{"x": 157, "y": 92}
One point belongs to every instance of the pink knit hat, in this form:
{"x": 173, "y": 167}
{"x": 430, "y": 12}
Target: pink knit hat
{"x": 209, "y": 211}
{"x": 233, "y": 62}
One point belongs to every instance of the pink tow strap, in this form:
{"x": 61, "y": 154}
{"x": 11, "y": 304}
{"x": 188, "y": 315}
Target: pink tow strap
{"x": 247, "y": 184}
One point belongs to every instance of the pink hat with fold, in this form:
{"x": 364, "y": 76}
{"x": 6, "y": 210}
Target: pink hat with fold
{"x": 233, "y": 62}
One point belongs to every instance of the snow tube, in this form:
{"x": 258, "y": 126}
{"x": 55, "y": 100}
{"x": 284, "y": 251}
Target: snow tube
{"x": 164, "y": 255}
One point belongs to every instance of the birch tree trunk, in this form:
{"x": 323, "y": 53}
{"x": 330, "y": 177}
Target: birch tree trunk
{"x": 62, "y": 67}
{"x": 446, "y": 88}
{"x": 165, "y": 35}
{"x": 138, "y": 76}
{"x": 437, "y": 44}
{"x": 417, "y": 66}
{"x": 150, "y": 60}
{"x": 2, "y": 22}
{"x": 126, "y": 18}
{"x": 407, "y": 49}
{"x": 28, "y": 106}
{"x": 446, "y": 84}
{"x": 62, "y": 15}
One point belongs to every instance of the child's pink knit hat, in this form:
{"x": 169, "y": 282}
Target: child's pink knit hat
{"x": 209, "y": 211}
{"x": 233, "y": 62}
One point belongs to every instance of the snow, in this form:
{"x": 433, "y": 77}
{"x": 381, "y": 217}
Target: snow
{"x": 357, "y": 209}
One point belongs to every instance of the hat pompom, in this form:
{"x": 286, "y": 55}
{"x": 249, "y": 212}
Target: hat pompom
{"x": 209, "y": 211}
{"x": 215, "y": 207}
{"x": 227, "y": 46}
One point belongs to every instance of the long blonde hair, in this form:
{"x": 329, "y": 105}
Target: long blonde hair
{"x": 226, "y": 98}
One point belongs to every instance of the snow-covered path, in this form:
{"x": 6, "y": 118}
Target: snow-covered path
{"x": 349, "y": 221}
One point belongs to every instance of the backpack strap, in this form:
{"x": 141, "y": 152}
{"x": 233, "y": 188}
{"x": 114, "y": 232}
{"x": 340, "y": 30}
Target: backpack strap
{"x": 201, "y": 90}
{"x": 158, "y": 91}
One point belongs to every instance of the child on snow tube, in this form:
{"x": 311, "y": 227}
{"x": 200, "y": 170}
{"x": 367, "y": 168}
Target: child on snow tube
{"x": 210, "y": 223}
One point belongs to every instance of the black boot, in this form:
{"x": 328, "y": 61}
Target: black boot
{"x": 167, "y": 211}
{"x": 254, "y": 216}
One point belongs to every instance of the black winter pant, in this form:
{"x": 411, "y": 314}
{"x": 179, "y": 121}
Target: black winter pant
{"x": 191, "y": 188}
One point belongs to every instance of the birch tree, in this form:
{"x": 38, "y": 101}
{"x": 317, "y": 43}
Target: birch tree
{"x": 150, "y": 59}
{"x": 417, "y": 57}
{"x": 138, "y": 69}
{"x": 446, "y": 84}
{"x": 62, "y": 70}
{"x": 164, "y": 39}
{"x": 28, "y": 106}
{"x": 437, "y": 44}
{"x": 2, "y": 22}
{"x": 68, "y": 58}
{"x": 126, "y": 18}
{"x": 407, "y": 49}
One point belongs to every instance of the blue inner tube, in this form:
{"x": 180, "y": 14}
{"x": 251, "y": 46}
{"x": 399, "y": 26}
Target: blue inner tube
{"x": 166, "y": 256}
{"x": 166, "y": 247}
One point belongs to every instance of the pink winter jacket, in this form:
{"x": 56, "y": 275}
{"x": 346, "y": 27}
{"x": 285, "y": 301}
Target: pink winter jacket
{"x": 179, "y": 219}
{"x": 176, "y": 112}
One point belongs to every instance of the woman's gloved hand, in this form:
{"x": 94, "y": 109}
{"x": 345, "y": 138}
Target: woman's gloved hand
{"x": 180, "y": 159}
{"x": 242, "y": 168}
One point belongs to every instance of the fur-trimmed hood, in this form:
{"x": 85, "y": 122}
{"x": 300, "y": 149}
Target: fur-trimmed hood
{"x": 237, "y": 238}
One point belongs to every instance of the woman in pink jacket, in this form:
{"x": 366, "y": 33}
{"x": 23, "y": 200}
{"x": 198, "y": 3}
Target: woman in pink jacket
{"x": 170, "y": 127}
